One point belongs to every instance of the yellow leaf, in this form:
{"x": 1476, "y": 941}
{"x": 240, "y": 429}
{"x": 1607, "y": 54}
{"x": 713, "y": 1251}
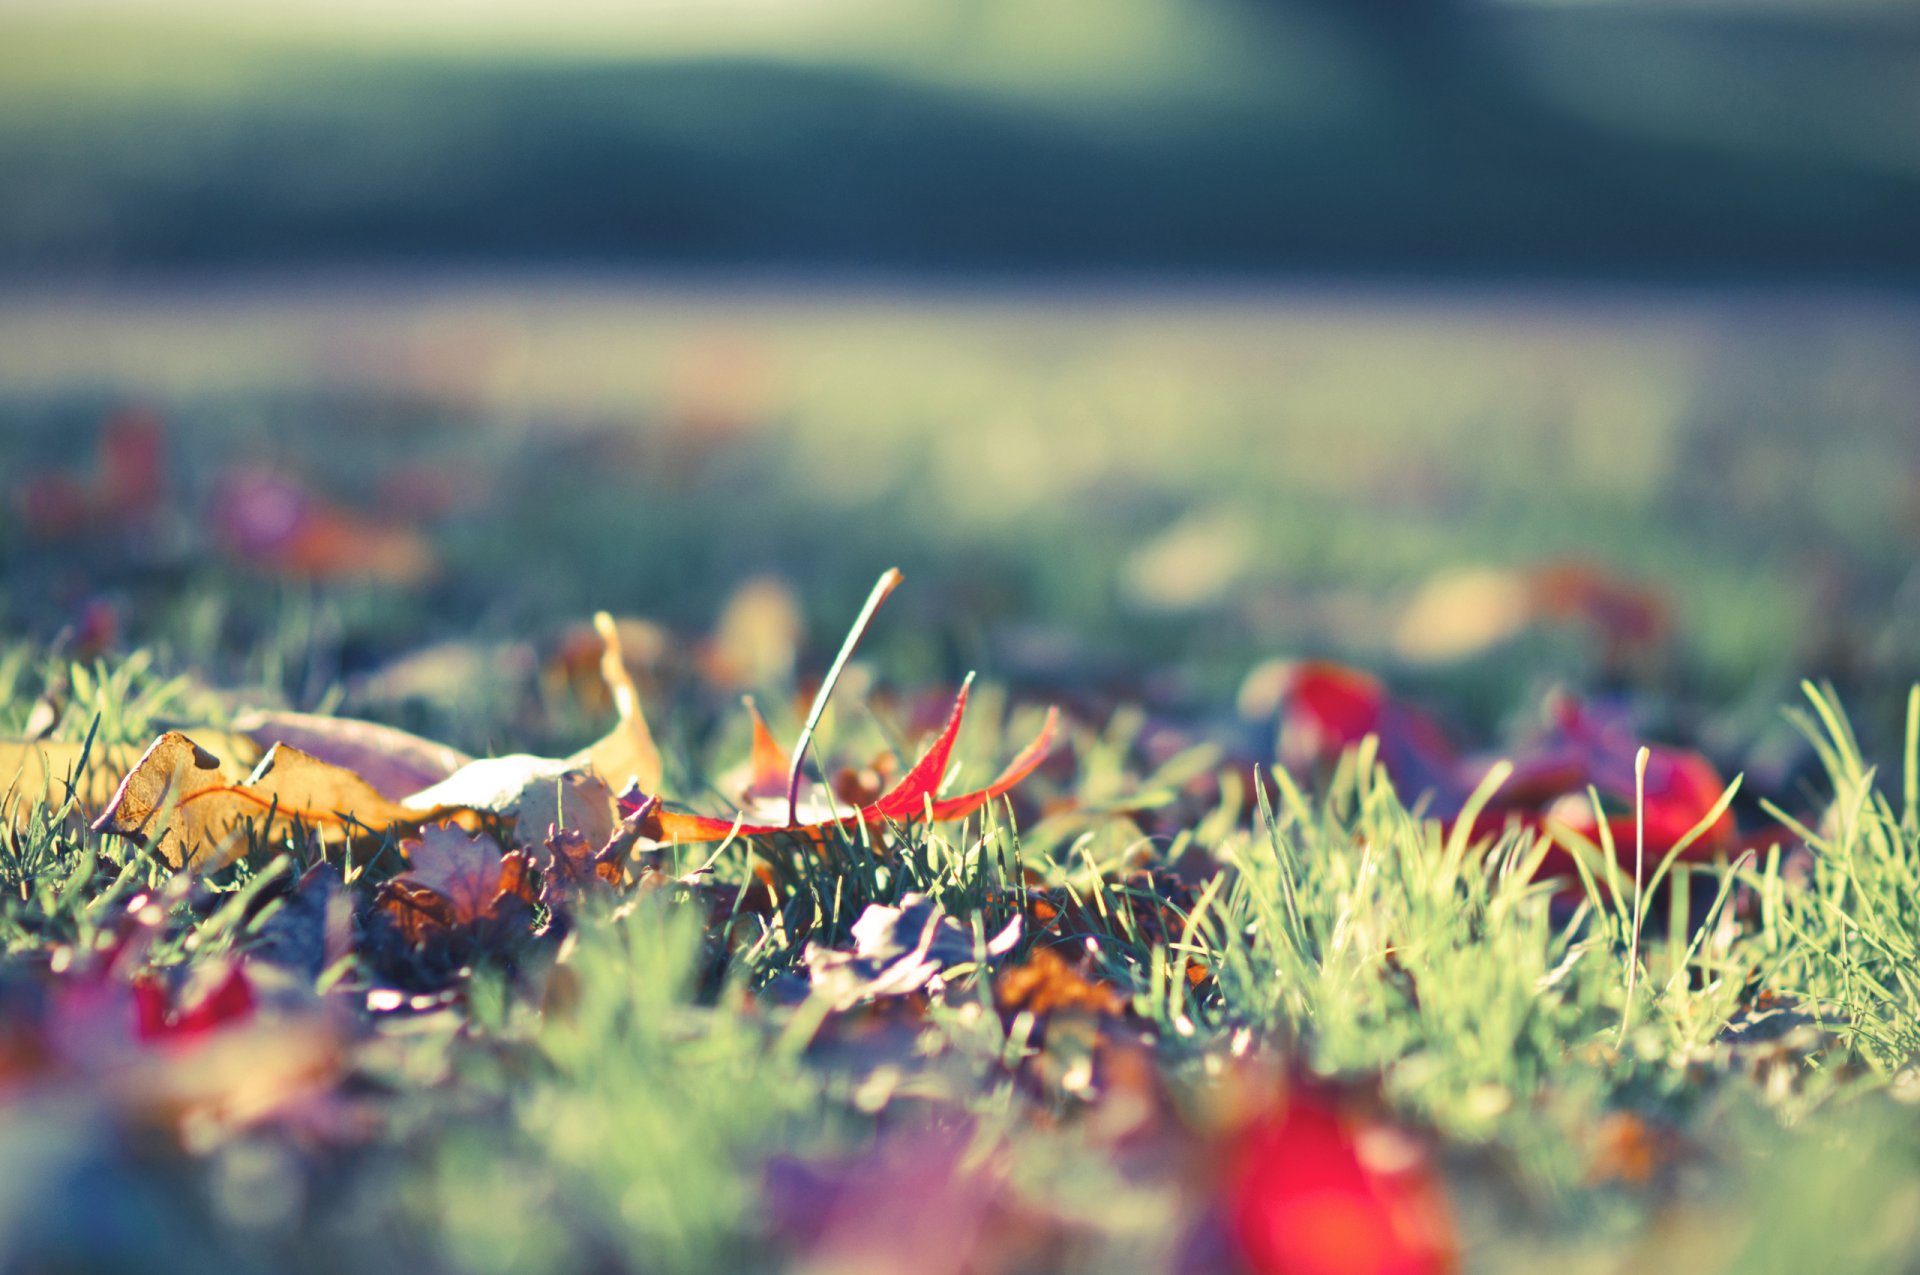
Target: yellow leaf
{"x": 180, "y": 797}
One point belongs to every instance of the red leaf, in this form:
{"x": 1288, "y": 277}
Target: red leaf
{"x": 909, "y": 800}
{"x": 1311, "y": 1194}
{"x": 162, "y": 1018}
{"x": 910, "y": 796}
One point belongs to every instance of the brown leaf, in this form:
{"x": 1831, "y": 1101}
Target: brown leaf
{"x": 628, "y": 755}
{"x": 393, "y": 761}
{"x": 574, "y": 865}
{"x": 469, "y": 872}
{"x": 33, "y": 770}
{"x": 209, "y": 811}
{"x": 458, "y": 883}
{"x": 1046, "y": 984}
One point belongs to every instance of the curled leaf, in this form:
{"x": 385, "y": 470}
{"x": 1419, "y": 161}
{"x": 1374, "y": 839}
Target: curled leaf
{"x": 393, "y": 761}
{"x": 898, "y": 951}
{"x": 180, "y": 799}
{"x": 913, "y": 798}
{"x": 628, "y": 755}
{"x": 531, "y": 792}
{"x": 458, "y": 886}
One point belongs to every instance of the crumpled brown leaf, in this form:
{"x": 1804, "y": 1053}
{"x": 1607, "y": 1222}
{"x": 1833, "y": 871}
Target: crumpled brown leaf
{"x": 457, "y": 880}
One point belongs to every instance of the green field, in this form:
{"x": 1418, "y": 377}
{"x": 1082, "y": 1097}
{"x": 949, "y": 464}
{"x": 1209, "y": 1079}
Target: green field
{"x": 1118, "y": 502}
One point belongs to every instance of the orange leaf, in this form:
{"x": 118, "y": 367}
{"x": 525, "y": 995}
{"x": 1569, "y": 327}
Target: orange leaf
{"x": 628, "y": 755}
{"x": 770, "y": 766}
{"x": 1047, "y": 984}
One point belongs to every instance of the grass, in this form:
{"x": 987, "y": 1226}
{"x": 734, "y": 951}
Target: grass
{"x": 614, "y": 1107}
{"x": 1715, "y": 1071}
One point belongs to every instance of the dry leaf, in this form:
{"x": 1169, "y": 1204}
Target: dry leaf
{"x": 470, "y": 872}
{"x": 181, "y": 798}
{"x": 628, "y": 755}
{"x": 1047, "y": 984}
{"x": 393, "y": 761}
{"x": 457, "y": 881}
{"x": 898, "y": 951}
{"x": 531, "y": 792}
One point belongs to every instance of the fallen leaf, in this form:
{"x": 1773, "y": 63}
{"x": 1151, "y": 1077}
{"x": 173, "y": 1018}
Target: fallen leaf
{"x": 1310, "y": 1192}
{"x": 207, "y": 812}
{"x": 225, "y": 998}
{"x": 530, "y": 792}
{"x": 628, "y": 755}
{"x": 573, "y": 865}
{"x": 458, "y": 883}
{"x": 393, "y": 761}
{"x": 1324, "y": 709}
{"x": 898, "y": 951}
{"x": 913, "y": 798}
{"x": 1046, "y": 984}
{"x": 469, "y": 871}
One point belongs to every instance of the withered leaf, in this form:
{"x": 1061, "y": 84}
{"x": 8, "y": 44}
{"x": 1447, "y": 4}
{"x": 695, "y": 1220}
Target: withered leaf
{"x": 208, "y": 811}
{"x": 457, "y": 881}
{"x": 1048, "y": 984}
{"x": 628, "y": 754}
{"x": 532, "y": 792}
{"x": 898, "y": 951}
{"x": 469, "y": 871}
{"x": 574, "y": 865}
{"x": 393, "y": 761}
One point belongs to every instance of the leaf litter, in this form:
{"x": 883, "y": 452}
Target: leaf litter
{"x": 1147, "y": 996}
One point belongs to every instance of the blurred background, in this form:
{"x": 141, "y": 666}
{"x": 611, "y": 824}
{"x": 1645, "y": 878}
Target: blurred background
{"x": 1491, "y": 343}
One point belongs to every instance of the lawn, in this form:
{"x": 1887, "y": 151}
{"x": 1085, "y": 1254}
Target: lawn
{"x": 1480, "y": 826}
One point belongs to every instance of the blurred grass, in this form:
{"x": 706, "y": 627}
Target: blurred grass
{"x": 1121, "y": 481}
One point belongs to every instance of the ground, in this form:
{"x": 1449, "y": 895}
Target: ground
{"x": 1263, "y": 926}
